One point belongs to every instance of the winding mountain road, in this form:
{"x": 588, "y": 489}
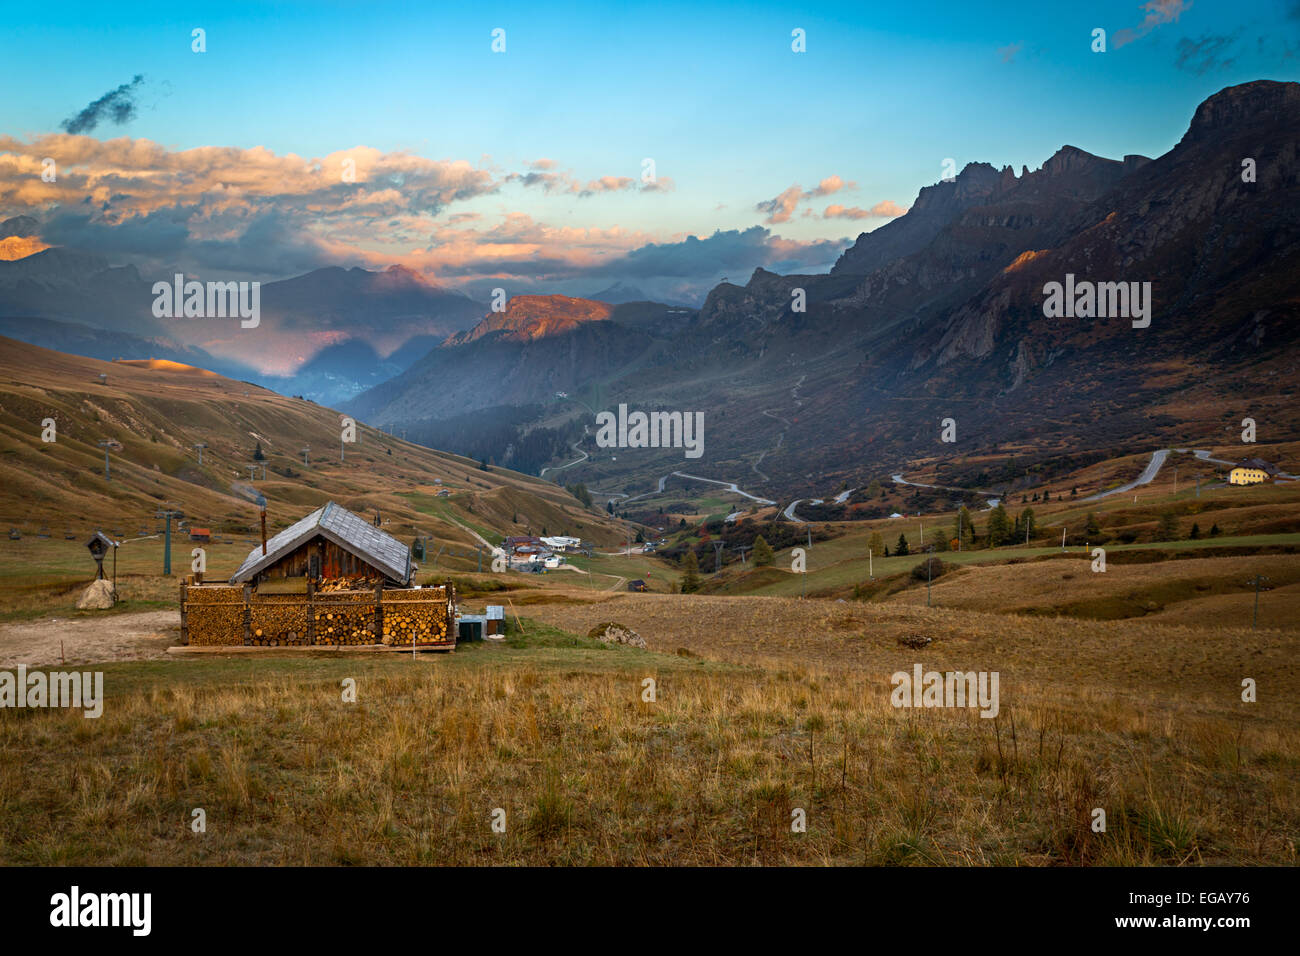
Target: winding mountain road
{"x": 993, "y": 496}
{"x": 1148, "y": 475}
{"x": 576, "y": 461}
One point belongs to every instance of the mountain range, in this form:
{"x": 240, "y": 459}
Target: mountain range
{"x": 808, "y": 381}
{"x": 328, "y": 334}
{"x": 939, "y": 315}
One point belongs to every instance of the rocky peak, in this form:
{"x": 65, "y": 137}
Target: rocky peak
{"x": 530, "y": 317}
{"x": 1263, "y": 101}
{"x": 1069, "y": 159}
{"x": 18, "y": 226}
{"x": 976, "y": 181}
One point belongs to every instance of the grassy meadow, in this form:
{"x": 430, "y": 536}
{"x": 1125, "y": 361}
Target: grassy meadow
{"x": 1119, "y": 691}
{"x": 1144, "y": 722}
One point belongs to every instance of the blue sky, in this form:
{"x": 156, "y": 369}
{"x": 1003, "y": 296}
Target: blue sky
{"x": 712, "y": 92}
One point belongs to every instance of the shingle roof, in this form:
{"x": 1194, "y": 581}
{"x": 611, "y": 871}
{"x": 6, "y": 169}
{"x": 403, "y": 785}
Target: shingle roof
{"x": 347, "y": 530}
{"x": 1258, "y": 463}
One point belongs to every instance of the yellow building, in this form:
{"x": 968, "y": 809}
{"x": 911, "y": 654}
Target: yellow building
{"x": 1251, "y": 471}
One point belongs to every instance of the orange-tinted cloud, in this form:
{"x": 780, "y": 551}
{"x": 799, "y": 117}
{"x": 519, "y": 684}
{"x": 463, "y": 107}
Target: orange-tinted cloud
{"x": 831, "y": 184}
{"x": 782, "y": 207}
{"x": 886, "y": 209}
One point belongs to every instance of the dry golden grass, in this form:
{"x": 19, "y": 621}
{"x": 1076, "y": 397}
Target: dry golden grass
{"x": 1166, "y": 664}
{"x": 559, "y": 737}
{"x": 764, "y": 706}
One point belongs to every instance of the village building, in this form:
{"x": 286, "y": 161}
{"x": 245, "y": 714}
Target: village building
{"x": 1252, "y": 471}
{"x": 201, "y": 534}
{"x": 525, "y": 548}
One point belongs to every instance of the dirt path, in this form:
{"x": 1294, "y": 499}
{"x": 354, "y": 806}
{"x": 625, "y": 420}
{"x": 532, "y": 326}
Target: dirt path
{"x": 115, "y": 637}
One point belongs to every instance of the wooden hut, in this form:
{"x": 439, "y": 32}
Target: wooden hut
{"x": 331, "y": 543}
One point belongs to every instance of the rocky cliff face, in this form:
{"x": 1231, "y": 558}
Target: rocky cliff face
{"x": 935, "y": 207}
{"x": 1215, "y": 248}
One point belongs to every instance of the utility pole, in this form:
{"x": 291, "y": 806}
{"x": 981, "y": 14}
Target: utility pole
{"x": 167, "y": 514}
{"x": 1062, "y": 539}
{"x": 810, "y": 536}
{"x": 252, "y": 472}
{"x": 200, "y": 446}
{"x": 717, "y": 555}
{"x": 1254, "y": 621}
{"x": 106, "y": 444}
{"x": 871, "y": 569}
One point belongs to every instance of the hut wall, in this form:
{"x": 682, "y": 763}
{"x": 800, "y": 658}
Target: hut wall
{"x": 335, "y": 562}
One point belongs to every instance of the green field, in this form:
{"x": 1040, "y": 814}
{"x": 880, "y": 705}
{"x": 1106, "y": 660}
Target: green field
{"x": 842, "y": 561}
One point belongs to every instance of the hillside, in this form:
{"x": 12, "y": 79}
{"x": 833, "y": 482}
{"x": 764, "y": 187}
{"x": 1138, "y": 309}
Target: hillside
{"x": 159, "y": 410}
{"x": 541, "y": 345}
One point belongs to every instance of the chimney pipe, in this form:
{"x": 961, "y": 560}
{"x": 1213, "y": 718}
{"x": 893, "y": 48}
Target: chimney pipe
{"x": 263, "y": 530}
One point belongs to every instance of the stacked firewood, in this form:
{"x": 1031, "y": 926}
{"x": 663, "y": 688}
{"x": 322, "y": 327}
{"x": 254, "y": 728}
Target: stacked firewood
{"x": 415, "y": 623}
{"x": 341, "y": 625}
{"x": 357, "y": 583}
{"x": 215, "y": 616}
{"x": 277, "y": 621}
{"x": 260, "y": 637}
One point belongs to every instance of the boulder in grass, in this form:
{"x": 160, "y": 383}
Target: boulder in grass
{"x": 611, "y": 633}
{"x": 97, "y": 597}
